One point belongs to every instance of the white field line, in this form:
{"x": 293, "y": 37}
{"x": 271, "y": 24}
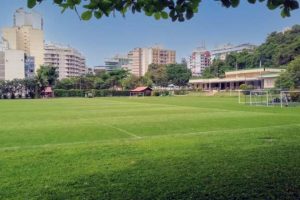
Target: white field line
{"x": 172, "y": 105}
{"x": 124, "y": 131}
{"x": 194, "y": 107}
{"x": 223, "y": 131}
{"x": 135, "y": 137}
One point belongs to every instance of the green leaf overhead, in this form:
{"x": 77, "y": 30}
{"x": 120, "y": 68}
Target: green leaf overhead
{"x": 86, "y": 15}
{"x": 31, "y": 3}
{"x": 177, "y": 10}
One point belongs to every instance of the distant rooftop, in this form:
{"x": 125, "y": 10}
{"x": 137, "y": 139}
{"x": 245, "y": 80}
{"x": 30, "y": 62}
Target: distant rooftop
{"x": 242, "y": 71}
{"x": 52, "y": 45}
{"x": 229, "y": 47}
{"x": 260, "y": 73}
{"x": 28, "y": 18}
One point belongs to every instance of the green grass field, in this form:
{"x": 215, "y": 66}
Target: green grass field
{"x": 148, "y": 148}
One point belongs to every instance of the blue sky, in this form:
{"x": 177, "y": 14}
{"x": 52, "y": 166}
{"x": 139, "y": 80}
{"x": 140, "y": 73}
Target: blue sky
{"x": 100, "y": 39}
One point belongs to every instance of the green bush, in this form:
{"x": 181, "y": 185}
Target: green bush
{"x": 295, "y": 97}
{"x": 180, "y": 92}
{"x": 160, "y": 93}
{"x": 156, "y": 93}
{"x": 82, "y": 93}
{"x": 68, "y": 93}
{"x": 246, "y": 87}
{"x": 120, "y": 93}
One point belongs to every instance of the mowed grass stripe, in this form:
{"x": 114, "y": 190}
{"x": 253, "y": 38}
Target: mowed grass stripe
{"x": 207, "y": 166}
{"x": 82, "y": 125}
{"x": 135, "y": 137}
{"x": 144, "y": 116}
{"x": 93, "y": 129}
{"x": 188, "y": 148}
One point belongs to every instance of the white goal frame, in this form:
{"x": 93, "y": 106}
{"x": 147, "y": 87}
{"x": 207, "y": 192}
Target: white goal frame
{"x": 254, "y": 97}
{"x": 286, "y": 100}
{"x": 269, "y": 98}
{"x": 259, "y": 97}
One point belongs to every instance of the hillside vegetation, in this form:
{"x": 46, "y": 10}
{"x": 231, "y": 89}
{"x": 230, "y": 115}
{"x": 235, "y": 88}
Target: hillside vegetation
{"x": 279, "y": 49}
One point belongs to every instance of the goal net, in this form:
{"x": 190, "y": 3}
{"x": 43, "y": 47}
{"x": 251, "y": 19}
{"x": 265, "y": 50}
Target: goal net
{"x": 259, "y": 98}
{"x": 290, "y": 98}
{"x": 269, "y": 98}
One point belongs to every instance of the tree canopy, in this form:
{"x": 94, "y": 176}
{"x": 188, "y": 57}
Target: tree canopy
{"x": 178, "y": 74}
{"x": 279, "y": 49}
{"x": 158, "y": 74}
{"x": 290, "y": 79}
{"x": 179, "y": 10}
{"x": 47, "y": 75}
{"x": 162, "y": 75}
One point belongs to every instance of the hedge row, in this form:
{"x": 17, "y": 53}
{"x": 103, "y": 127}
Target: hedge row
{"x": 160, "y": 93}
{"x": 168, "y": 93}
{"x": 83, "y": 93}
{"x": 181, "y": 92}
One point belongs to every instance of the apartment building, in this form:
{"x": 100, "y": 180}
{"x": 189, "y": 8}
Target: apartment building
{"x": 116, "y": 62}
{"x": 26, "y": 35}
{"x": 141, "y": 58}
{"x": 162, "y": 56}
{"x": 198, "y": 61}
{"x": 135, "y": 61}
{"x": 11, "y": 64}
{"x": 69, "y": 61}
{"x": 222, "y": 51}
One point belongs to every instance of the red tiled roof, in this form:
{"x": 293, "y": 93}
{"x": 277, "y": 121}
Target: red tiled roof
{"x": 140, "y": 89}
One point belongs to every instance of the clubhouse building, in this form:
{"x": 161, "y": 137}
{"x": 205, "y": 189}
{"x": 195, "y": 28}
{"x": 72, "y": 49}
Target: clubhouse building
{"x": 261, "y": 78}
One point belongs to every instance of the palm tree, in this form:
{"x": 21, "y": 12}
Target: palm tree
{"x": 49, "y": 74}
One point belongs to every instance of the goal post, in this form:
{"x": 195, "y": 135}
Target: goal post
{"x": 244, "y": 96}
{"x": 259, "y": 97}
{"x": 290, "y": 98}
{"x": 270, "y": 97}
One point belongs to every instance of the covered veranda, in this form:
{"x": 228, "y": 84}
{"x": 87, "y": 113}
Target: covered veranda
{"x": 225, "y": 84}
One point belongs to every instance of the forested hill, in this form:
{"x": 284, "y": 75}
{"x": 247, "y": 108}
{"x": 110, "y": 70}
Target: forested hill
{"x": 277, "y": 51}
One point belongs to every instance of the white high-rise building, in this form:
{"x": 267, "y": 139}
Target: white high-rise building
{"x": 116, "y": 62}
{"x": 198, "y": 61}
{"x": 26, "y": 35}
{"x": 69, "y": 61}
{"x": 23, "y": 18}
{"x": 12, "y": 64}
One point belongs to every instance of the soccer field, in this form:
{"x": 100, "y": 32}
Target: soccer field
{"x": 148, "y": 148}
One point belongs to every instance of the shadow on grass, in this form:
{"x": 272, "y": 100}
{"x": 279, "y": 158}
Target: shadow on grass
{"x": 183, "y": 179}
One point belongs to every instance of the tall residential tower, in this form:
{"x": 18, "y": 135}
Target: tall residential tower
{"x": 69, "y": 61}
{"x": 198, "y": 61}
{"x": 141, "y": 58}
{"x": 26, "y": 35}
